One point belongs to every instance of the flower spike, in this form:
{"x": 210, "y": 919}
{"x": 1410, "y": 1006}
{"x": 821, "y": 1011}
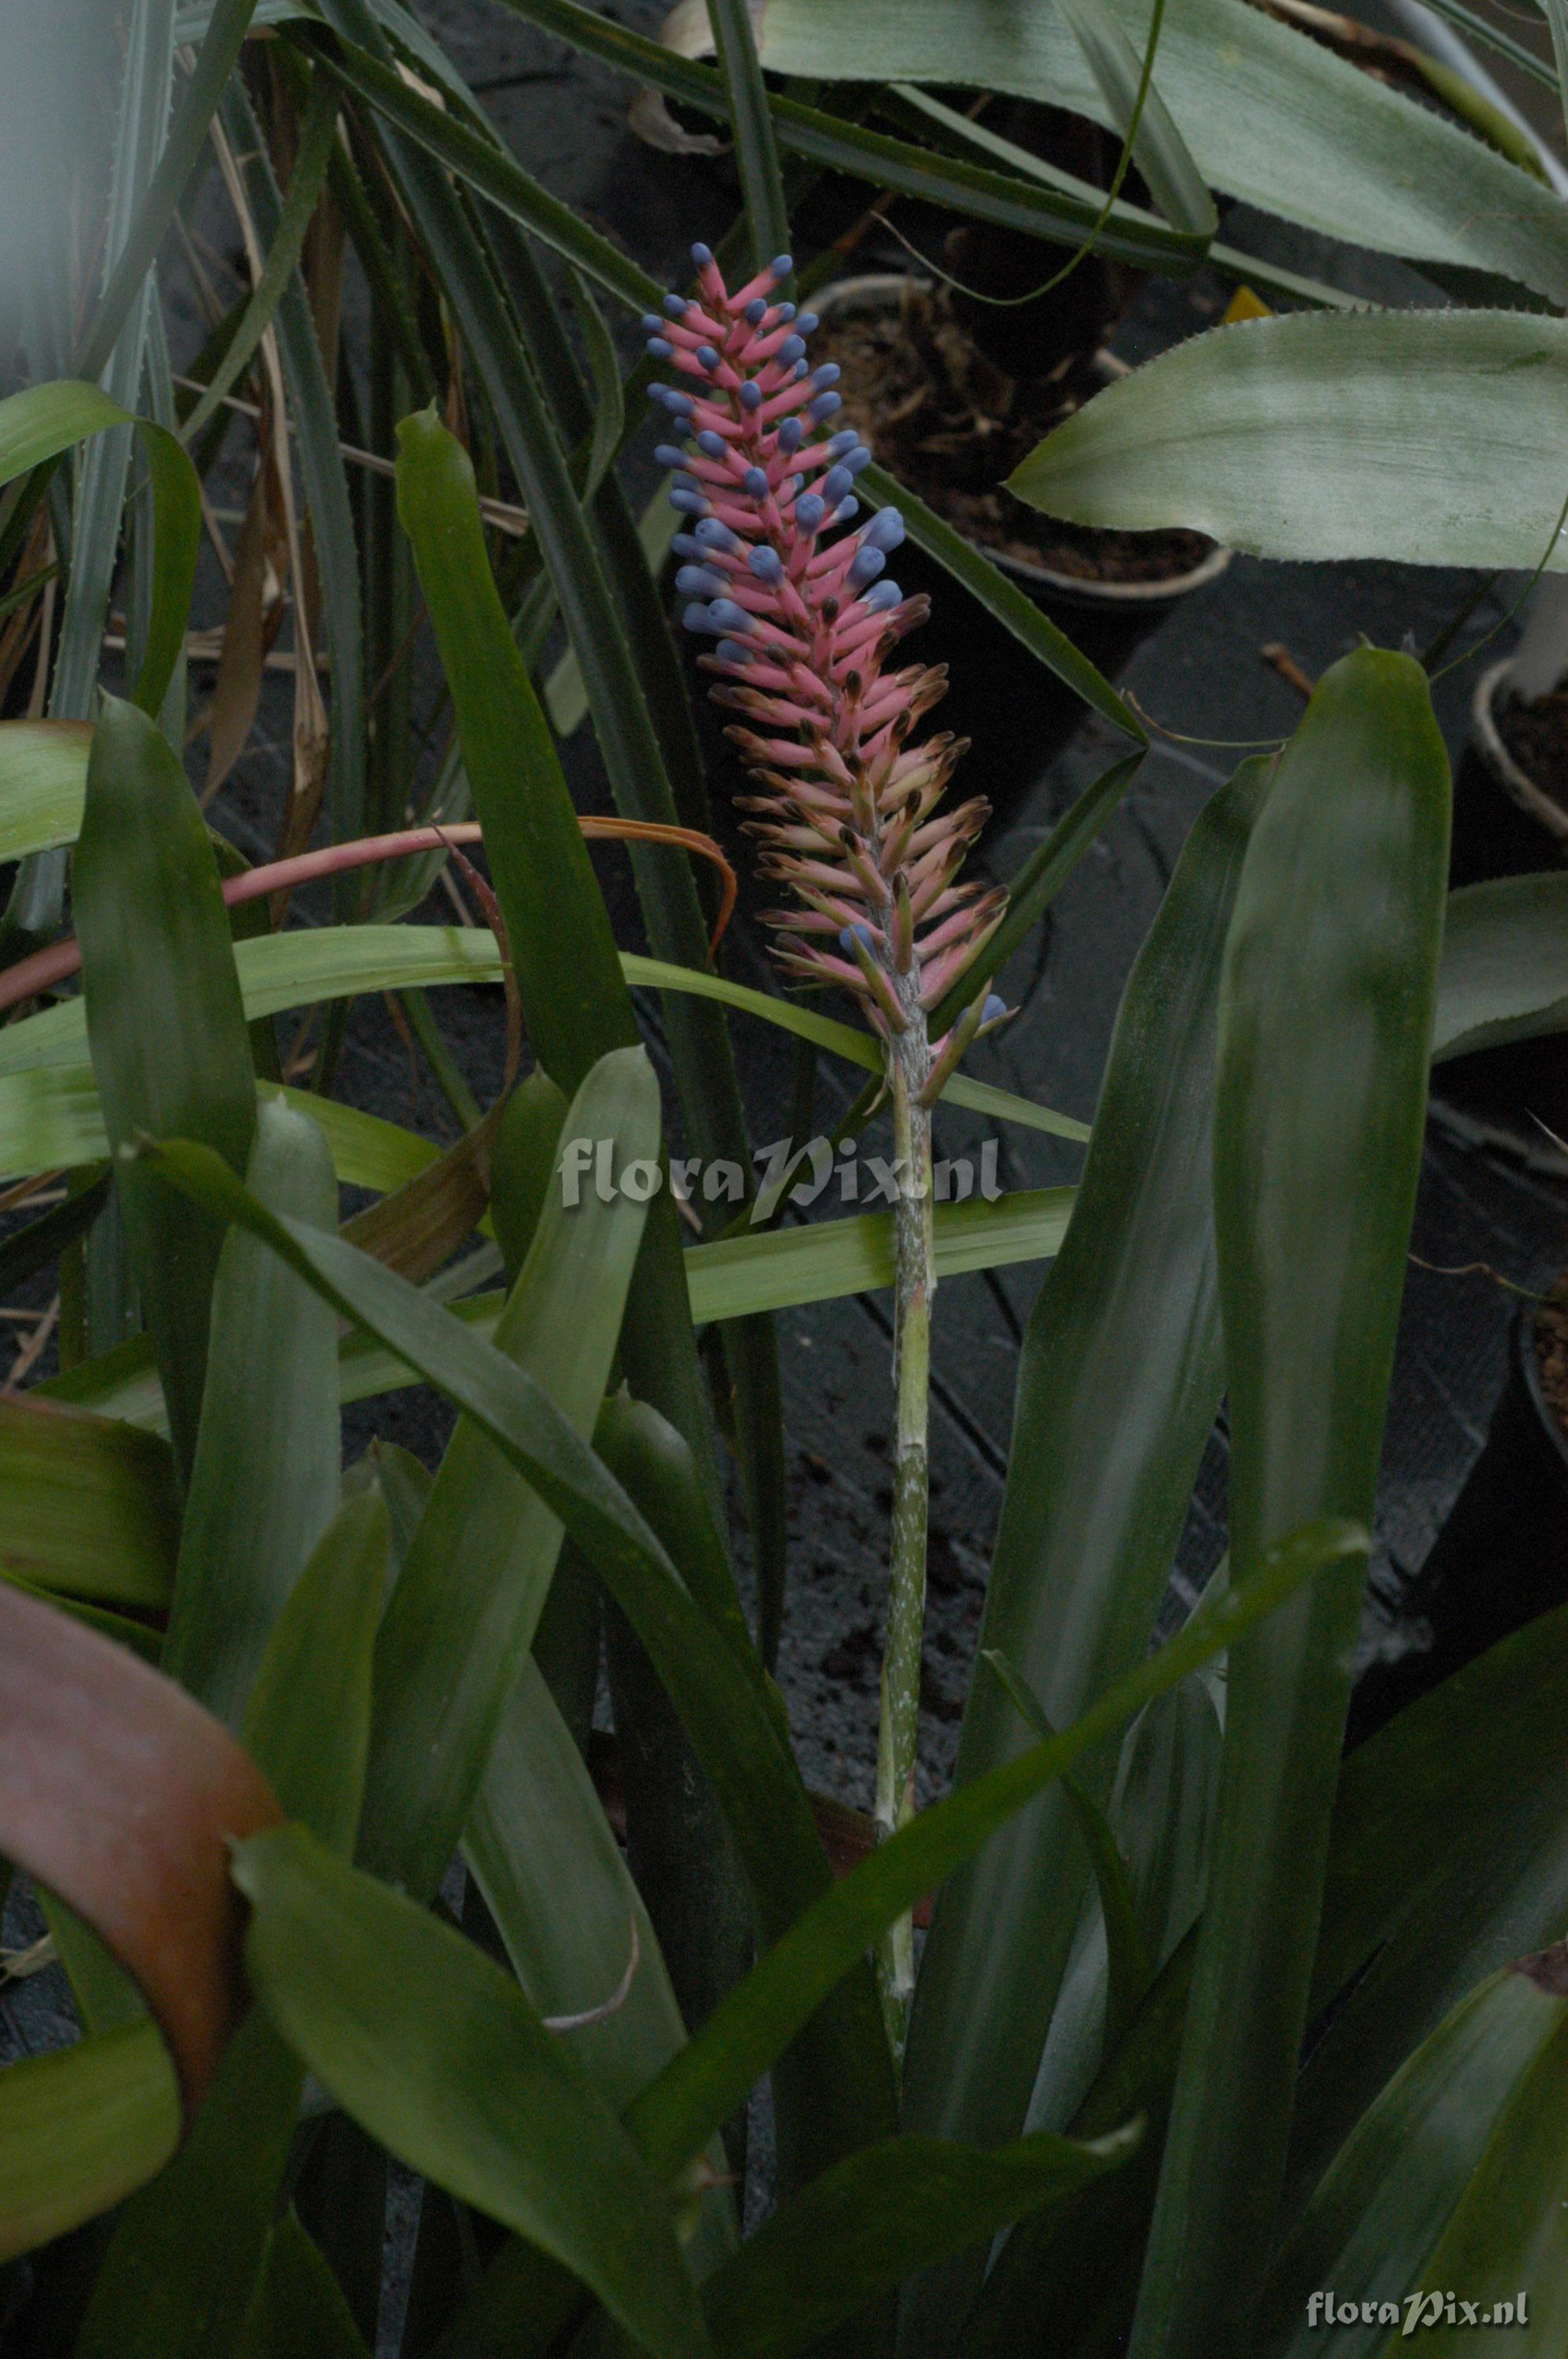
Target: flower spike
{"x": 806, "y": 616}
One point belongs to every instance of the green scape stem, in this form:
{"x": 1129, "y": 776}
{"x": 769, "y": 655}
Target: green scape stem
{"x": 914, "y": 1283}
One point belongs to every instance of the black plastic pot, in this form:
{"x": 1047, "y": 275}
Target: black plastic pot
{"x": 1016, "y": 713}
{"x": 1504, "y": 826}
{"x": 1502, "y": 1556}
{"x": 1073, "y": 594}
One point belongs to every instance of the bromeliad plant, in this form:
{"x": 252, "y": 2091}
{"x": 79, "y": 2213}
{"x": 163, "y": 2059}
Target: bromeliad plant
{"x": 805, "y": 617}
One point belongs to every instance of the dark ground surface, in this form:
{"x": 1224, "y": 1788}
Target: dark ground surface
{"x": 1493, "y": 1192}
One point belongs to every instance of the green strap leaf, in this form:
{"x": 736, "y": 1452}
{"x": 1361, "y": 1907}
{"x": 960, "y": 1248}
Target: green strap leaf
{"x": 1468, "y": 1790}
{"x": 436, "y": 2051}
{"x": 1556, "y": 15}
{"x": 751, "y": 117}
{"x": 182, "y": 2268}
{"x": 1420, "y": 436}
{"x": 1505, "y": 964}
{"x": 154, "y": 937}
{"x": 702, "y": 2086}
{"x": 300, "y": 2311}
{"x": 1129, "y": 1967}
{"x": 1421, "y": 2160}
{"x": 36, "y": 425}
{"x": 872, "y": 2221}
{"x": 827, "y": 140}
{"x": 221, "y": 33}
{"x": 1119, "y": 1382}
{"x": 734, "y": 1737}
{"x": 776, "y": 1271}
{"x": 1135, "y": 107}
{"x": 557, "y": 1884}
{"x": 313, "y": 417}
{"x": 576, "y": 1010}
{"x": 186, "y": 2258}
{"x": 88, "y": 1507}
{"x": 43, "y": 777}
{"x": 308, "y": 1721}
{"x": 293, "y": 969}
{"x": 79, "y": 2129}
{"x": 1287, "y": 126}
{"x": 478, "y": 1569}
{"x": 1325, "y": 1028}
{"x": 1505, "y": 2240}
{"x": 318, "y": 132}
{"x": 264, "y": 1486}
{"x": 783, "y": 1267}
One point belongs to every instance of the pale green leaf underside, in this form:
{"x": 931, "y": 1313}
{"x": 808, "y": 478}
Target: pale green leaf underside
{"x": 1430, "y": 437}
{"x": 1266, "y": 115}
{"x": 775, "y": 1271}
{"x": 293, "y": 970}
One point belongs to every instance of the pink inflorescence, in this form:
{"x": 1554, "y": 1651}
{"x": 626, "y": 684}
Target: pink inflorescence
{"x": 805, "y": 617}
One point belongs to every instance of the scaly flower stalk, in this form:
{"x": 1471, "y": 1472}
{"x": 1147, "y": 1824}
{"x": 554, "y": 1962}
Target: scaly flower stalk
{"x": 804, "y": 618}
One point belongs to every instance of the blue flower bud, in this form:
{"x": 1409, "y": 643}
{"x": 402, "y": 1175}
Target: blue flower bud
{"x": 860, "y": 931}
{"x": 756, "y": 311}
{"x": 706, "y": 356}
{"x": 686, "y": 544}
{"x": 792, "y": 434}
{"x": 728, "y": 616}
{"x": 801, "y": 371}
{"x": 651, "y": 323}
{"x": 733, "y": 652}
{"x": 885, "y": 594}
{"x": 710, "y": 444}
{"x": 751, "y": 395}
{"x": 864, "y": 568}
{"x": 755, "y": 483}
{"x": 842, "y": 444}
{"x": 766, "y": 564}
{"x": 786, "y": 311}
{"x": 885, "y": 530}
{"x": 828, "y": 373}
{"x": 782, "y": 265}
{"x": 857, "y": 459}
{"x": 810, "y": 512}
{"x": 845, "y": 510}
{"x": 714, "y": 535}
{"x": 678, "y": 404}
{"x": 660, "y": 347}
{"x": 668, "y": 456}
{"x": 698, "y": 618}
{"x": 676, "y": 306}
{"x": 790, "y": 351}
{"x": 701, "y": 254}
{"x": 808, "y": 321}
{"x": 824, "y": 405}
{"x": 699, "y": 582}
{"x": 834, "y": 483}
{"x": 993, "y": 1009}
{"x": 688, "y": 503}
